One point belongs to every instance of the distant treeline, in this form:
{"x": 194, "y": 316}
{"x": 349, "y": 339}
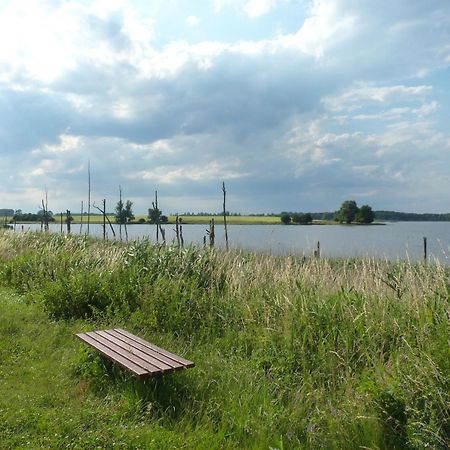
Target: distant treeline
{"x": 411, "y": 217}
{"x": 394, "y": 216}
{"x": 379, "y": 215}
{"x": 390, "y": 216}
{"x": 6, "y": 212}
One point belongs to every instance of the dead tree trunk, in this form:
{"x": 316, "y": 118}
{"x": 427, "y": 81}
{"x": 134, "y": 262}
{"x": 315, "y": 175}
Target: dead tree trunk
{"x": 81, "y": 217}
{"x": 177, "y": 230}
{"x": 105, "y": 219}
{"x": 120, "y": 212}
{"x": 225, "y": 214}
{"x": 211, "y": 233}
{"x": 89, "y": 197}
{"x": 68, "y": 218}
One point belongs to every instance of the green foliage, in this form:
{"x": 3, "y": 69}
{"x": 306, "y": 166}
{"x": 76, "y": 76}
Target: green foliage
{"x": 285, "y": 219}
{"x": 289, "y": 353}
{"x": 124, "y": 213}
{"x": 365, "y": 214}
{"x": 302, "y": 218}
{"x": 348, "y": 211}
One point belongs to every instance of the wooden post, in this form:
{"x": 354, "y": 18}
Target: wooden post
{"x": 68, "y": 221}
{"x": 155, "y": 206}
{"x": 89, "y": 197}
{"x": 212, "y": 234}
{"x": 181, "y": 236}
{"x": 81, "y": 217}
{"x": 225, "y": 214}
{"x": 177, "y": 230}
{"x": 120, "y": 211}
{"x": 104, "y": 219}
{"x": 424, "y": 249}
{"x": 317, "y": 251}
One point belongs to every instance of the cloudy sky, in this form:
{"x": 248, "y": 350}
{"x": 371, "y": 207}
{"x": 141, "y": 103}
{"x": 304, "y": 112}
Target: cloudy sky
{"x": 295, "y": 104}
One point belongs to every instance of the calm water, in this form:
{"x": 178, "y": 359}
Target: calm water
{"x": 400, "y": 240}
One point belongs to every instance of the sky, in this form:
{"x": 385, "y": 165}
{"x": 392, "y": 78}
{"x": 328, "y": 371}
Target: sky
{"x": 296, "y": 105}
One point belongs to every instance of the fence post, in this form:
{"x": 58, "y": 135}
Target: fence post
{"x": 424, "y": 249}
{"x": 317, "y": 251}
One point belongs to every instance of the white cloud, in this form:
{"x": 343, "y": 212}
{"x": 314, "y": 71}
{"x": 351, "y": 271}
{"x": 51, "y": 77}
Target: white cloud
{"x": 362, "y": 94}
{"x": 326, "y": 27}
{"x": 192, "y": 21}
{"x": 252, "y": 8}
{"x": 206, "y": 172}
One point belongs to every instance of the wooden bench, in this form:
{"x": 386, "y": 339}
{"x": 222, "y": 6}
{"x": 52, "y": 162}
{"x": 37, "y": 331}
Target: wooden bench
{"x": 140, "y": 357}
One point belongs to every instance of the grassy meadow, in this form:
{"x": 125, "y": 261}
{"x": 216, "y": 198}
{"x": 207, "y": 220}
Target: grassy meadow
{"x": 290, "y": 353}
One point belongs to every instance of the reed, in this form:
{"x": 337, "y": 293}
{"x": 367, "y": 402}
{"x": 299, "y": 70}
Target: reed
{"x": 292, "y": 353}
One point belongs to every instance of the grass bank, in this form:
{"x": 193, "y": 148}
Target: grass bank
{"x": 289, "y": 353}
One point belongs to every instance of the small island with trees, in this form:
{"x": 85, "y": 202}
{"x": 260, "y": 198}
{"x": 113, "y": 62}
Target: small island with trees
{"x": 348, "y": 213}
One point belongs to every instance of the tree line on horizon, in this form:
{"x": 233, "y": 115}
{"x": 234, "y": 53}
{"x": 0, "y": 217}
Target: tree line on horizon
{"x": 381, "y": 215}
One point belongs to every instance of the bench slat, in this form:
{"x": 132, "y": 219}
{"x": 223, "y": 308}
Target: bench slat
{"x": 145, "y": 349}
{"x": 124, "y": 353}
{"x": 186, "y": 363}
{"x": 135, "y": 351}
{"x": 106, "y": 351}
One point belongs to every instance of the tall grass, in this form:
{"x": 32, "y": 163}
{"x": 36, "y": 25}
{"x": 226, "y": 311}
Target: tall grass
{"x": 289, "y": 353}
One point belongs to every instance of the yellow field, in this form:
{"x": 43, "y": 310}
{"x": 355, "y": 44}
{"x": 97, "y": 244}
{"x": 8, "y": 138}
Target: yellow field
{"x": 232, "y": 220}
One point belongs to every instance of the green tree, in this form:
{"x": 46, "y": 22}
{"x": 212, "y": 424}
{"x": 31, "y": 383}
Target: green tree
{"x": 306, "y": 218}
{"x": 124, "y": 213}
{"x": 365, "y": 214}
{"x": 302, "y": 218}
{"x": 348, "y": 212}
{"x": 155, "y": 215}
{"x": 285, "y": 218}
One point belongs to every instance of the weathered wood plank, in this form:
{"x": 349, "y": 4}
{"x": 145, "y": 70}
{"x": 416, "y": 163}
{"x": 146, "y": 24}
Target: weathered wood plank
{"x": 140, "y": 357}
{"x": 160, "y": 350}
{"x": 106, "y": 351}
{"x": 145, "y": 349}
{"x": 135, "y": 351}
{"x": 124, "y": 353}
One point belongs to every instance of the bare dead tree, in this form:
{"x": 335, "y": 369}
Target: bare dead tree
{"x": 211, "y": 234}
{"x": 157, "y": 220}
{"x": 68, "y": 220}
{"x": 225, "y": 214}
{"x": 156, "y": 215}
{"x": 89, "y": 197}
{"x": 81, "y": 217}
{"x": 105, "y": 219}
{"x": 120, "y": 209}
{"x": 177, "y": 230}
{"x": 45, "y": 217}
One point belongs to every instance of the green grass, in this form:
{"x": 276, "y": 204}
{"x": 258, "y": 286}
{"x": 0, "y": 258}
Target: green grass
{"x": 289, "y": 353}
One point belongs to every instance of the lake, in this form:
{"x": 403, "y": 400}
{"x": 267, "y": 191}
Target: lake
{"x": 397, "y": 240}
